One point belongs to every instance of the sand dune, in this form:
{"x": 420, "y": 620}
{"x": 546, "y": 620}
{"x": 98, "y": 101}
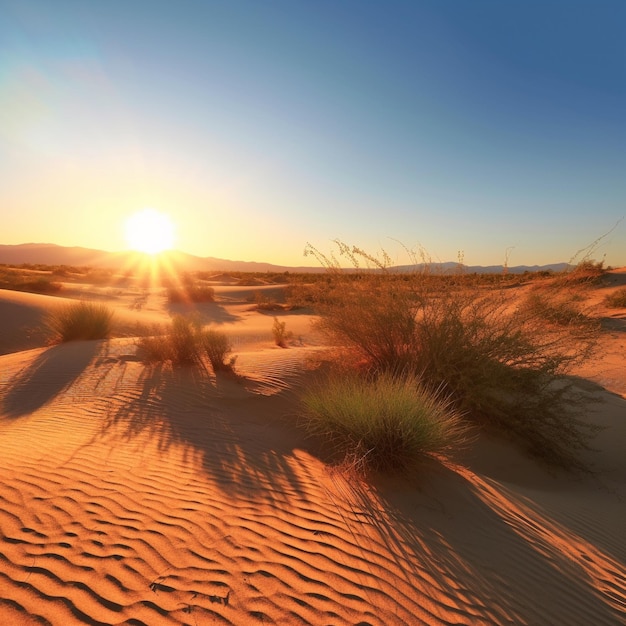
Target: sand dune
{"x": 136, "y": 495}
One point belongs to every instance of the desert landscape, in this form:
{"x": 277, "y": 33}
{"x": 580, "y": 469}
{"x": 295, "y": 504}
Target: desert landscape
{"x": 153, "y": 493}
{"x": 214, "y": 410}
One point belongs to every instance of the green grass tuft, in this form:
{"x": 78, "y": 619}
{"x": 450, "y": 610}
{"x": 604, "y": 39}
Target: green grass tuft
{"x": 81, "y": 320}
{"x": 388, "y": 423}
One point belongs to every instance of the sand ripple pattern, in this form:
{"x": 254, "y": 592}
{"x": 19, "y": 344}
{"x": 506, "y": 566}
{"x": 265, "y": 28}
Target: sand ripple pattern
{"x": 144, "y": 496}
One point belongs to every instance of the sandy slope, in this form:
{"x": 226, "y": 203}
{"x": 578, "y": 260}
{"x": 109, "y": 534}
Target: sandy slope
{"x": 132, "y": 495}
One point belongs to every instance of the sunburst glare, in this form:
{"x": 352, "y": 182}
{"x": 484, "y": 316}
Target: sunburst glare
{"x": 149, "y": 231}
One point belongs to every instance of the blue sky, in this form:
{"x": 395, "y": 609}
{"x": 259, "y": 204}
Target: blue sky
{"x": 476, "y": 126}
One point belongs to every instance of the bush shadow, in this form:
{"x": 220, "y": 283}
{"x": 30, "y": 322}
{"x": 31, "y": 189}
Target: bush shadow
{"x": 491, "y": 542}
{"x": 206, "y": 312}
{"x": 219, "y": 422}
{"x": 49, "y": 375}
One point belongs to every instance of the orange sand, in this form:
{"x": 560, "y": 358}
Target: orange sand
{"x": 132, "y": 495}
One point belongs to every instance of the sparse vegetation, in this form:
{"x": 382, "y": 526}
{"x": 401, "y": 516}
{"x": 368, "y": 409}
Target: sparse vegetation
{"x": 557, "y": 307}
{"x": 387, "y": 423}
{"x": 189, "y": 290}
{"x": 81, "y": 321}
{"x": 185, "y": 342}
{"x": 217, "y": 348}
{"x": 280, "y": 333}
{"x": 587, "y": 272}
{"x": 617, "y": 299}
{"x": 27, "y": 280}
{"x": 502, "y": 365}
{"x": 264, "y": 303}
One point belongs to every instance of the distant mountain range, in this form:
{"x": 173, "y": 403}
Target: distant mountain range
{"x": 52, "y": 254}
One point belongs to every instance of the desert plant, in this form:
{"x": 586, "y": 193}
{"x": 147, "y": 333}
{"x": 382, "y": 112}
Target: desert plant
{"x": 556, "y": 307}
{"x": 179, "y": 344}
{"x": 587, "y": 272}
{"x": 388, "y": 423}
{"x": 280, "y": 333}
{"x": 22, "y": 280}
{"x": 81, "y": 320}
{"x": 506, "y": 369}
{"x": 217, "y": 347}
{"x": 503, "y": 366}
{"x": 153, "y": 345}
{"x": 617, "y": 299}
{"x": 186, "y": 289}
{"x": 41, "y": 285}
{"x": 264, "y": 303}
{"x": 185, "y": 342}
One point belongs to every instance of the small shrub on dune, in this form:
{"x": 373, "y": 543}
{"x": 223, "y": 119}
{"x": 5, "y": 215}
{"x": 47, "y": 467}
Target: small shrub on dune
{"x": 179, "y": 344}
{"x": 505, "y": 369}
{"x": 184, "y": 342}
{"x": 262, "y": 302}
{"x": 153, "y": 345}
{"x": 183, "y": 339}
{"x": 617, "y": 299}
{"x": 41, "y": 285}
{"x": 81, "y": 320}
{"x": 189, "y": 290}
{"x": 556, "y": 308}
{"x": 190, "y": 293}
{"x": 388, "y": 423}
{"x": 586, "y": 271}
{"x": 217, "y": 347}
{"x": 280, "y": 333}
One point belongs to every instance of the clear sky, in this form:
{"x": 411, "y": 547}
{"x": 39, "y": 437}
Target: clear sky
{"x": 481, "y": 126}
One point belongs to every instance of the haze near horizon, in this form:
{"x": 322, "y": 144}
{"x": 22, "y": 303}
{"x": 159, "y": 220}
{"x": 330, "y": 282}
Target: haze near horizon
{"x": 495, "y": 130}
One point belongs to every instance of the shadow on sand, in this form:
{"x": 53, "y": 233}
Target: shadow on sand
{"x": 239, "y": 437}
{"x": 490, "y": 542}
{"x": 444, "y": 536}
{"x": 49, "y": 375}
{"x": 207, "y": 313}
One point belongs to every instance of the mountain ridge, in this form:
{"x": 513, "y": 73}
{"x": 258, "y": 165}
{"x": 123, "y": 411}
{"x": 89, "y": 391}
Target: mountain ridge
{"x": 54, "y": 254}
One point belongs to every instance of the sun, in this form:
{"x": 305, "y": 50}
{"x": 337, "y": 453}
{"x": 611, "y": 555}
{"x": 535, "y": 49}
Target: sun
{"x": 149, "y": 231}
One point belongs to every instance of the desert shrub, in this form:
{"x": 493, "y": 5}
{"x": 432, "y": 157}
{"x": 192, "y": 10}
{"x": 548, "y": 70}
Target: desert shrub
{"x": 264, "y": 303}
{"x": 153, "y": 345}
{"x": 617, "y": 299}
{"x": 556, "y": 307}
{"x": 502, "y": 365}
{"x": 586, "y": 271}
{"x": 81, "y": 320}
{"x": 280, "y": 333}
{"x": 22, "y": 280}
{"x": 41, "y": 285}
{"x": 190, "y": 293}
{"x": 187, "y": 289}
{"x": 387, "y": 423}
{"x": 217, "y": 347}
{"x": 179, "y": 344}
{"x": 506, "y": 369}
{"x": 98, "y": 276}
{"x": 185, "y": 342}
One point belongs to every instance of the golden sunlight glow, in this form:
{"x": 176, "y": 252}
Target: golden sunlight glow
{"x": 149, "y": 231}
